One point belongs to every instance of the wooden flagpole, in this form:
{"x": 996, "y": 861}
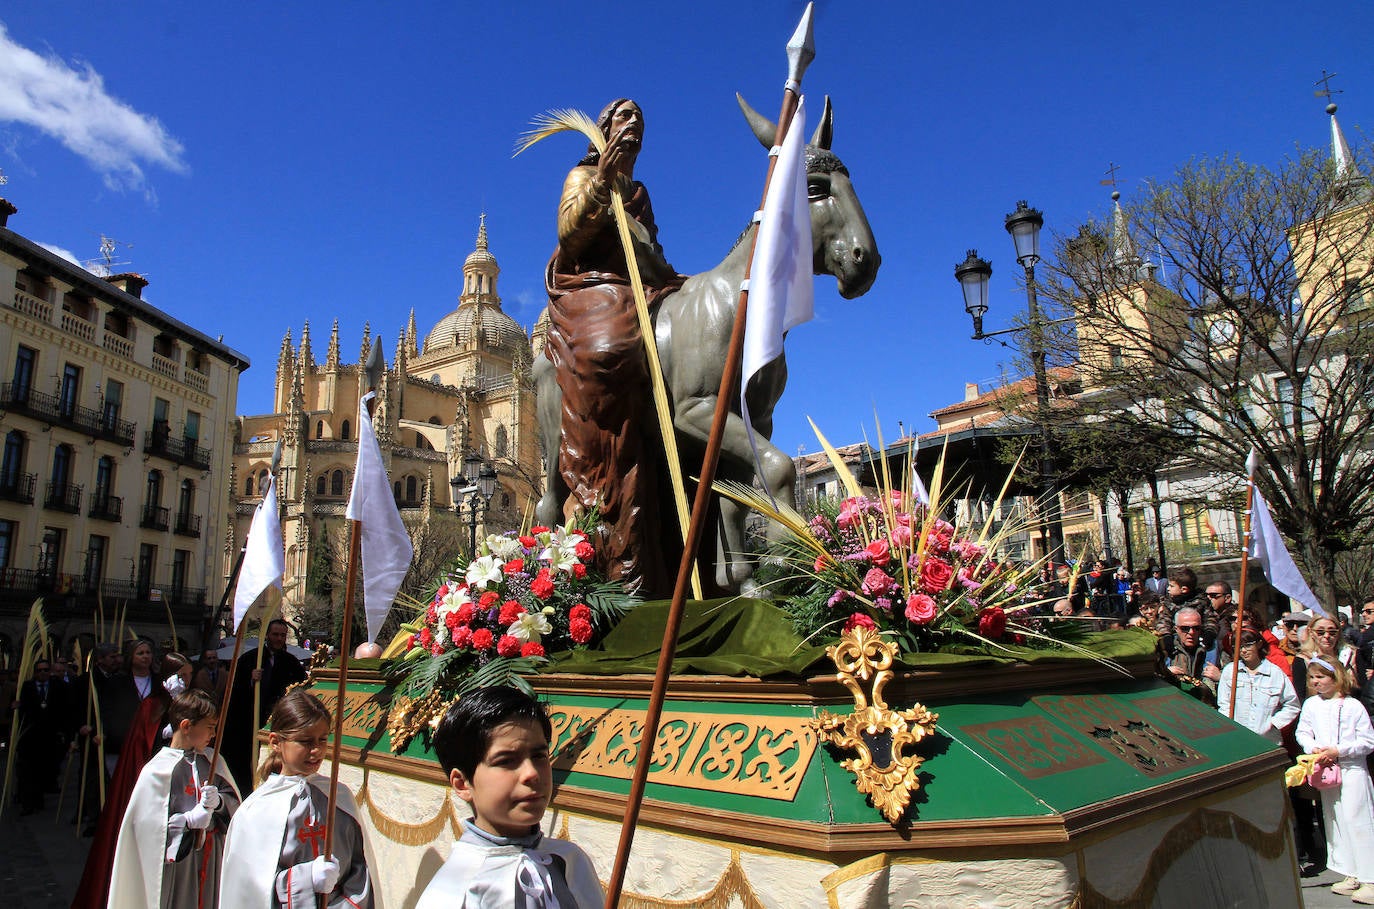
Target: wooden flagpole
{"x": 1240, "y": 598}
{"x": 375, "y": 364}
{"x": 800, "y": 53}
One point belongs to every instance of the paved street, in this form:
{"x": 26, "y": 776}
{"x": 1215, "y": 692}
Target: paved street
{"x": 40, "y": 860}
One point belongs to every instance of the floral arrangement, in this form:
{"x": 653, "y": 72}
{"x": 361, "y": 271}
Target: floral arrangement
{"x": 497, "y": 619}
{"x": 902, "y": 562}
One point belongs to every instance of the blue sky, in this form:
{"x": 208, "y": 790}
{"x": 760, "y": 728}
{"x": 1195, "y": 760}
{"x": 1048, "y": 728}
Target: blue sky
{"x": 273, "y": 163}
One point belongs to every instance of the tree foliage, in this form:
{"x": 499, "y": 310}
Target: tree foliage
{"x": 1250, "y": 329}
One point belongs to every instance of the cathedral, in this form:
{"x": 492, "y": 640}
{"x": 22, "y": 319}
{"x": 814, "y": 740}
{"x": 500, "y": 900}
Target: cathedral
{"x": 459, "y": 404}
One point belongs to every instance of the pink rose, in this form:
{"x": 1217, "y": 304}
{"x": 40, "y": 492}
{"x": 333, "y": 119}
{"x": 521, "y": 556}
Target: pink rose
{"x": 878, "y": 552}
{"x": 901, "y": 535}
{"x": 851, "y": 512}
{"x": 936, "y": 574}
{"x": 920, "y": 609}
{"x": 877, "y": 582}
{"x": 859, "y": 620}
{"x": 992, "y": 622}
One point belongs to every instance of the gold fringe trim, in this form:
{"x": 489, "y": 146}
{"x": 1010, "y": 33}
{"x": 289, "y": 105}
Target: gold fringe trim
{"x": 733, "y": 885}
{"x": 421, "y": 834}
{"x": 1200, "y": 824}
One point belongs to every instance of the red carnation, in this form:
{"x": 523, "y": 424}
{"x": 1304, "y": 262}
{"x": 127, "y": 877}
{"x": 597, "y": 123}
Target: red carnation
{"x": 466, "y": 613}
{"x": 481, "y": 639}
{"x": 414, "y": 639}
{"x": 437, "y": 649}
{"x": 510, "y": 611}
{"x": 441, "y": 592}
{"x": 508, "y": 646}
{"x": 431, "y": 615}
{"x": 580, "y": 611}
{"x": 992, "y": 622}
{"x": 488, "y": 599}
{"x": 539, "y": 528}
{"x": 859, "y": 620}
{"x": 451, "y": 620}
{"x": 529, "y": 542}
{"x": 462, "y": 637}
{"x": 514, "y": 566}
{"x": 936, "y": 574}
{"x": 426, "y": 638}
{"x": 542, "y": 585}
{"x": 532, "y": 649}
{"x": 579, "y": 570}
{"x": 580, "y": 630}
{"x": 584, "y": 551}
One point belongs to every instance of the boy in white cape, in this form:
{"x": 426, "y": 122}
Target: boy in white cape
{"x": 494, "y": 746}
{"x": 172, "y": 837}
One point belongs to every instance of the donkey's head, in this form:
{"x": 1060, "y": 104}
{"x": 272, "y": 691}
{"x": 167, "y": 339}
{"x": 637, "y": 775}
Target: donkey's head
{"x": 842, "y": 242}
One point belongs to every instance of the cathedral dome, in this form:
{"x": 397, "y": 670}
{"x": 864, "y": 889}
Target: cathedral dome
{"x": 496, "y": 330}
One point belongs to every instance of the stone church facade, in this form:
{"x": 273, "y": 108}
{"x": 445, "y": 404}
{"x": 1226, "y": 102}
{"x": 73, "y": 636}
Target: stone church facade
{"x": 462, "y": 390}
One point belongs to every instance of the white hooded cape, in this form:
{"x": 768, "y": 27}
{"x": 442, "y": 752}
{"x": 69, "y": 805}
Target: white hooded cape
{"x": 499, "y": 865}
{"x": 136, "y": 878}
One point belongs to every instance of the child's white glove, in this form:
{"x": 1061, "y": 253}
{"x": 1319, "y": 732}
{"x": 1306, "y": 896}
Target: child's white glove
{"x": 210, "y": 797}
{"x": 324, "y": 874}
{"x": 198, "y": 818}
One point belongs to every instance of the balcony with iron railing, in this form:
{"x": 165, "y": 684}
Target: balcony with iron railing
{"x": 186, "y": 451}
{"x": 187, "y": 525}
{"x": 53, "y": 410}
{"x": 155, "y": 517}
{"x": 18, "y": 487}
{"x": 22, "y": 584}
{"x": 106, "y": 507}
{"x": 63, "y": 497}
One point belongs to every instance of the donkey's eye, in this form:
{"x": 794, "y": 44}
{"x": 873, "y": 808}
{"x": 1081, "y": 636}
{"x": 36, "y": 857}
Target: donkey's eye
{"x": 817, "y": 187}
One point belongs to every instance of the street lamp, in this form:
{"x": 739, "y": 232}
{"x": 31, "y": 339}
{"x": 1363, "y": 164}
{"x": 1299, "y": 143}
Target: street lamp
{"x": 481, "y": 485}
{"x": 973, "y": 275}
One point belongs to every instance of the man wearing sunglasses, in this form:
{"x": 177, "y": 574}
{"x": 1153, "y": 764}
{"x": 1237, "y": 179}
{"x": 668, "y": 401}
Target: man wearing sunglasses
{"x": 1188, "y": 657}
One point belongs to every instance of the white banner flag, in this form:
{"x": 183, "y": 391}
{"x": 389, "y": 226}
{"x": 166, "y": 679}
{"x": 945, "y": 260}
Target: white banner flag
{"x": 387, "y": 549}
{"x": 264, "y": 562}
{"x": 1267, "y": 545}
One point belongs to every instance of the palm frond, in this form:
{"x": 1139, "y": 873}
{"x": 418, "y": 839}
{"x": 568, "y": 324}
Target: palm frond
{"x": 560, "y": 121}
{"x": 780, "y": 512}
{"x": 842, "y": 470}
{"x": 503, "y": 672}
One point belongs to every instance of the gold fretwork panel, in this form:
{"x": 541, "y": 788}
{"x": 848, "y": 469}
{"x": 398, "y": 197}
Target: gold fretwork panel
{"x": 759, "y": 756}
{"x": 363, "y": 712}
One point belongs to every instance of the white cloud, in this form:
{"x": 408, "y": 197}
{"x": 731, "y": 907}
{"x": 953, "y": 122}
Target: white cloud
{"x": 64, "y": 253}
{"x": 71, "y": 105}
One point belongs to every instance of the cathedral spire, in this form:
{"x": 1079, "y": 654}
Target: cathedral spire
{"x": 1123, "y": 250}
{"x": 332, "y": 357}
{"x": 307, "y": 356}
{"x": 1340, "y": 149}
{"x": 412, "y": 338}
{"x": 367, "y": 345}
{"x": 286, "y": 364}
{"x": 482, "y": 232}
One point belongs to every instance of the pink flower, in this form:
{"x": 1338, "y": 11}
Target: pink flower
{"x": 920, "y": 609}
{"x": 968, "y": 551}
{"x": 482, "y": 639}
{"x": 542, "y": 585}
{"x": 851, "y": 512}
{"x": 939, "y": 537}
{"x": 859, "y": 620}
{"x": 877, "y": 582}
{"x": 879, "y": 553}
{"x": 936, "y": 574}
{"x": 967, "y": 581}
{"x": 580, "y": 630}
{"x": 901, "y": 535}
{"x": 838, "y": 597}
{"x": 508, "y": 646}
{"x": 992, "y": 622}
{"x": 896, "y": 498}
{"x": 532, "y": 649}
{"x": 820, "y": 564}
{"x": 462, "y": 637}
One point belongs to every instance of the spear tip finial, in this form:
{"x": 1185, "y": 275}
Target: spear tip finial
{"x": 376, "y": 365}
{"x": 801, "y": 50}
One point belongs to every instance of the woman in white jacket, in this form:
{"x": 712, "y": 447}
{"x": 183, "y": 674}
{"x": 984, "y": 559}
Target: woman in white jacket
{"x": 1265, "y": 700}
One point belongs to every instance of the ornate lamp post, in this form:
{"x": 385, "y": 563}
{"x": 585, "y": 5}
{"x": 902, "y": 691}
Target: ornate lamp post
{"x": 481, "y": 485}
{"x": 973, "y": 275}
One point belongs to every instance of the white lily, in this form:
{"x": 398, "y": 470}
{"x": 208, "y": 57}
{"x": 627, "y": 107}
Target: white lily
{"x": 484, "y": 571}
{"x": 529, "y": 627}
{"x": 503, "y": 547}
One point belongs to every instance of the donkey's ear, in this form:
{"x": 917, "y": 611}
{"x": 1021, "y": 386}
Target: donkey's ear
{"x": 765, "y": 130}
{"x": 825, "y": 130}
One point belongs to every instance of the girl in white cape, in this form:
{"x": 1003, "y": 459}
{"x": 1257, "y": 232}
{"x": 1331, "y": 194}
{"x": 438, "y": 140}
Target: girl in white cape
{"x": 274, "y": 857}
{"x": 172, "y": 835}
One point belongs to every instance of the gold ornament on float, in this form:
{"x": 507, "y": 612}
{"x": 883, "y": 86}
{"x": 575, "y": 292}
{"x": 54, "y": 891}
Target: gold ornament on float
{"x": 874, "y": 728}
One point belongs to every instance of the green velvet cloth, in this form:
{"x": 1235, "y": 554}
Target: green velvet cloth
{"x": 741, "y": 636}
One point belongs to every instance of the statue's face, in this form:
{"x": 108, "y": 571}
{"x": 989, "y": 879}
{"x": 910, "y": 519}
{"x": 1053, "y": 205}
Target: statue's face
{"x": 629, "y": 118}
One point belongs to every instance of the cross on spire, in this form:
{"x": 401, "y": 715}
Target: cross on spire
{"x": 1112, "y": 169}
{"x": 1326, "y": 91}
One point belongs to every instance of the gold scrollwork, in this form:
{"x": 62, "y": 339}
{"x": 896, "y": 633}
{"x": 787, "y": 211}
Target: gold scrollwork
{"x": 860, "y": 655}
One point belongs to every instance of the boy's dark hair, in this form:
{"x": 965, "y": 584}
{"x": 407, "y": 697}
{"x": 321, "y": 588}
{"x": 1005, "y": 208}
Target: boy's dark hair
{"x": 1184, "y": 577}
{"x": 194, "y": 705}
{"x": 464, "y": 734}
